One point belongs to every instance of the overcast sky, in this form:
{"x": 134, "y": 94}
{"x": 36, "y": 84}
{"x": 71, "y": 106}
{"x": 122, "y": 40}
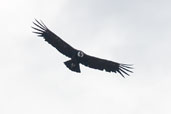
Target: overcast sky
{"x": 34, "y": 80}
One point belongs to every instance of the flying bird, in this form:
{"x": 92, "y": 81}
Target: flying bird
{"x": 77, "y": 56}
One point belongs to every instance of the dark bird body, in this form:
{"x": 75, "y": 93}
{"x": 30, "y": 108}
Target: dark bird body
{"x": 77, "y": 56}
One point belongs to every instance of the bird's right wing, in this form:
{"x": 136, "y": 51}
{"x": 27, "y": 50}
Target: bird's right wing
{"x": 102, "y": 64}
{"x": 53, "y": 39}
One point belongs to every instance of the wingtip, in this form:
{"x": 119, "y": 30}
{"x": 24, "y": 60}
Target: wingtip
{"x": 121, "y": 73}
{"x": 40, "y": 22}
{"x": 125, "y": 69}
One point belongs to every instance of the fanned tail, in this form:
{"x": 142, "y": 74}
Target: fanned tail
{"x": 72, "y": 65}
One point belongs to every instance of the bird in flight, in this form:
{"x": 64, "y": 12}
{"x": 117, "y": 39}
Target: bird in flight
{"x": 78, "y": 57}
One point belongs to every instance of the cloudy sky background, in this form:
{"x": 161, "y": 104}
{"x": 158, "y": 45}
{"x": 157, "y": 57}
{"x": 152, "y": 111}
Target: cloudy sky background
{"x": 34, "y": 80}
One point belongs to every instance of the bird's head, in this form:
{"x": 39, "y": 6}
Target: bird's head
{"x": 80, "y": 54}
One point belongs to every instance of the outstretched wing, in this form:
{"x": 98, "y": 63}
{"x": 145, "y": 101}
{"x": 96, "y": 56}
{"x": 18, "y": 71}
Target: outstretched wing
{"x": 107, "y": 65}
{"x": 53, "y": 39}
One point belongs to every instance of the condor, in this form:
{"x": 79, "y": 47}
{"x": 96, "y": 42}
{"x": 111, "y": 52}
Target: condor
{"x": 77, "y": 56}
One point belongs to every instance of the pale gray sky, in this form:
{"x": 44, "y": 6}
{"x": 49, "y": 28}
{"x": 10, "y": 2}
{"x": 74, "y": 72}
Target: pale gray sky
{"x": 34, "y": 80}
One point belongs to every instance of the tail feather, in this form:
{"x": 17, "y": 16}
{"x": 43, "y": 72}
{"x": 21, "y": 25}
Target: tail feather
{"x": 73, "y": 66}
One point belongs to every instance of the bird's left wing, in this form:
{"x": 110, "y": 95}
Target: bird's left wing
{"x": 53, "y": 39}
{"x": 102, "y": 64}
